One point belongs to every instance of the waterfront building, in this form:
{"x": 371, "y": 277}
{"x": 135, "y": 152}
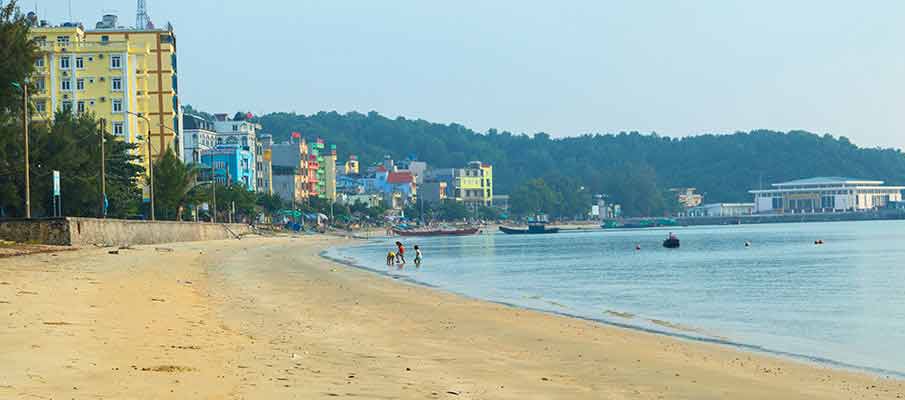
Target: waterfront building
{"x": 264, "y": 165}
{"x": 292, "y": 171}
{"x": 115, "y": 73}
{"x": 825, "y": 194}
{"x": 199, "y": 136}
{"x": 474, "y": 184}
{"x": 231, "y": 165}
{"x": 330, "y": 175}
{"x": 721, "y": 210}
{"x": 432, "y": 192}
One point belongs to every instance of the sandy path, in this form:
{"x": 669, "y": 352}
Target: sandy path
{"x": 269, "y": 319}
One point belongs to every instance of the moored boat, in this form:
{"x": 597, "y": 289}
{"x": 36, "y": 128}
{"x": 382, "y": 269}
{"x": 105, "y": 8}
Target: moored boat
{"x": 534, "y": 229}
{"x": 436, "y": 232}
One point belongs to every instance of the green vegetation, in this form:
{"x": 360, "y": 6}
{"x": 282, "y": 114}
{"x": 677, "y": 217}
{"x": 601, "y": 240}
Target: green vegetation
{"x": 636, "y": 170}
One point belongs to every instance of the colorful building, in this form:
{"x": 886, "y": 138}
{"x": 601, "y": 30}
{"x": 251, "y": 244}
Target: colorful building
{"x": 474, "y": 184}
{"x": 293, "y": 171}
{"x": 230, "y": 165}
{"x": 114, "y": 72}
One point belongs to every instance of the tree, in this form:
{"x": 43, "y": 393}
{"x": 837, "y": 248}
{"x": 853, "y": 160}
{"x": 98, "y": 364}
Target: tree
{"x": 70, "y": 145}
{"x": 451, "y": 210}
{"x": 173, "y": 183}
{"x": 18, "y": 54}
{"x": 534, "y": 196}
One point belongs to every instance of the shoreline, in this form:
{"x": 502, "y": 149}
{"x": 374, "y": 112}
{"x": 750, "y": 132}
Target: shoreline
{"x": 268, "y": 318}
{"x": 670, "y": 330}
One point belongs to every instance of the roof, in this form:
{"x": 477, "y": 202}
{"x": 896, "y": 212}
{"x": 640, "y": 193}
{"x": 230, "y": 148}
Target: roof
{"x": 400, "y": 177}
{"x": 828, "y": 180}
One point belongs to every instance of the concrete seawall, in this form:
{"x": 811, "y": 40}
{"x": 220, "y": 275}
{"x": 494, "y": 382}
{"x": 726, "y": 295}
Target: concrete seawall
{"x": 114, "y": 232}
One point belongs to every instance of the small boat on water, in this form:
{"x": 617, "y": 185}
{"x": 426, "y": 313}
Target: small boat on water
{"x": 533, "y": 229}
{"x": 436, "y": 232}
{"x": 536, "y": 226}
{"x": 671, "y": 243}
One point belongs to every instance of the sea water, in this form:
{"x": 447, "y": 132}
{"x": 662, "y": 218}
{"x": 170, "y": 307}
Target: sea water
{"x": 842, "y": 302}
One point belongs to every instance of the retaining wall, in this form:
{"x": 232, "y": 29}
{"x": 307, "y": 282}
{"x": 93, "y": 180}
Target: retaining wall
{"x": 114, "y": 232}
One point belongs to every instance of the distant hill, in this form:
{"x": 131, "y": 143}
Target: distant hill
{"x": 724, "y": 167}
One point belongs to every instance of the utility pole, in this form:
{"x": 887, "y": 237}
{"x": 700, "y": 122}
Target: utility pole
{"x": 25, "y": 133}
{"x": 213, "y": 193}
{"x": 103, "y": 170}
{"x": 151, "y": 170}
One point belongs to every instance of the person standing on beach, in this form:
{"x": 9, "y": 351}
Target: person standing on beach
{"x": 400, "y": 253}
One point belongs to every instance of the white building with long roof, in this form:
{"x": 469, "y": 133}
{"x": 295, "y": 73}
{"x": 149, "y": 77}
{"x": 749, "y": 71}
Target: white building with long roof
{"x": 825, "y": 194}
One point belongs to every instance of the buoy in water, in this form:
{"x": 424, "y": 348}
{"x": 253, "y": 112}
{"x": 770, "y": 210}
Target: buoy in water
{"x": 637, "y": 247}
{"x": 747, "y": 244}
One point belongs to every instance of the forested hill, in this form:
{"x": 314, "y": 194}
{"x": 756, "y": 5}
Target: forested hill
{"x": 724, "y": 167}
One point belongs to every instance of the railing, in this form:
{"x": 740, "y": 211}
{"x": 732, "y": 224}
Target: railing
{"x": 56, "y": 47}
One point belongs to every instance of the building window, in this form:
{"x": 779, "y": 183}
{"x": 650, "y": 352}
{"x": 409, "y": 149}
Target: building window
{"x": 117, "y": 84}
{"x": 79, "y": 63}
{"x": 777, "y": 203}
{"x": 41, "y": 106}
{"x": 64, "y": 62}
{"x": 63, "y": 40}
{"x": 80, "y": 107}
{"x": 67, "y": 106}
{"x": 80, "y": 84}
{"x": 40, "y": 83}
{"x": 105, "y": 39}
{"x": 117, "y": 106}
{"x": 235, "y": 128}
{"x": 116, "y": 62}
{"x": 66, "y": 85}
{"x": 39, "y": 63}
{"x": 118, "y": 128}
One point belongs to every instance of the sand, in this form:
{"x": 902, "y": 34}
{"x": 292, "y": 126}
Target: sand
{"x": 266, "y": 318}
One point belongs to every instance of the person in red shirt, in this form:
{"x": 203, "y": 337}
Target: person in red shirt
{"x": 400, "y": 254}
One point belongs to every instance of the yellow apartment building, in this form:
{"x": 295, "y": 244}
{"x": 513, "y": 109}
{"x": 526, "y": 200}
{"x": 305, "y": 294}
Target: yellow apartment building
{"x": 114, "y": 72}
{"x": 474, "y": 184}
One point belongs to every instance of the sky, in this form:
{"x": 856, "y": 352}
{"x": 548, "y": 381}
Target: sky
{"x": 566, "y": 68}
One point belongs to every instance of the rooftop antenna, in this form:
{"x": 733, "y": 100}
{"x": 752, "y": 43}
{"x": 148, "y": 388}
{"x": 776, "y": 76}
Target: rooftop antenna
{"x": 142, "y": 20}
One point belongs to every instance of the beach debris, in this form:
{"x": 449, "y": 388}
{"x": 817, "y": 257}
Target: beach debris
{"x": 113, "y": 252}
{"x": 545, "y": 379}
{"x": 168, "y": 368}
{"x": 164, "y": 249}
{"x": 57, "y": 323}
{"x": 158, "y": 300}
{"x": 452, "y": 393}
{"x": 27, "y": 292}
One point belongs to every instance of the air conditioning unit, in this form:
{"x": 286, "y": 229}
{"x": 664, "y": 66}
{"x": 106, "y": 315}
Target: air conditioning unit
{"x": 103, "y": 79}
{"x": 100, "y": 56}
{"x": 65, "y": 73}
{"x": 65, "y": 96}
{"x": 103, "y": 99}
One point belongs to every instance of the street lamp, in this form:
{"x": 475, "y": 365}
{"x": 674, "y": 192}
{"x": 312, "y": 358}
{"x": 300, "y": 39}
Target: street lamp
{"x": 24, "y": 89}
{"x": 150, "y": 162}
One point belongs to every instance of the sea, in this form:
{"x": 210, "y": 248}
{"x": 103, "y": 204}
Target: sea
{"x": 840, "y": 303}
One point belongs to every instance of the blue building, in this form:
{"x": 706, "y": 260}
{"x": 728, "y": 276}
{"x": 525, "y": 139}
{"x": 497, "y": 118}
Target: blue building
{"x": 232, "y": 165}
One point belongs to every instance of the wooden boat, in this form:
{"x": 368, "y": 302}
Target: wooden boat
{"x": 533, "y": 229}
{"x": 437, "y": 232}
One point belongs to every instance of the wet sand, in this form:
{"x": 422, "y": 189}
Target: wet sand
{"x": 269, "y": 319}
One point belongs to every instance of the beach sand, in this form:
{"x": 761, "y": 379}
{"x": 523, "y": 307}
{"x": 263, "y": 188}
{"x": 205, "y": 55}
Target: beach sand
{"x": 267, "y": 318}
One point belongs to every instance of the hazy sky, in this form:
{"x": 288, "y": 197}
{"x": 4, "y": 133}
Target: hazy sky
{"x": 563, "y": 67}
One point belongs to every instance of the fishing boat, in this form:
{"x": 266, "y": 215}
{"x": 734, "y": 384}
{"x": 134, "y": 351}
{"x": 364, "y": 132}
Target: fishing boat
{"x": 436, "y": 232}
{"x": 533, "y": 229}
{"x": 536, "y": 226}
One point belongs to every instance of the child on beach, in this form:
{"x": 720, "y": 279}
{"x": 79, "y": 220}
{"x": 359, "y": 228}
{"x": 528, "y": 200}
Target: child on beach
{"x": 417, "y": 256}
{"x": 391, "y": 257}
{"x": 400, "y": 253}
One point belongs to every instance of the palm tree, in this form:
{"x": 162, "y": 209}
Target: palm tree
{"x": 173, "y": 184}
